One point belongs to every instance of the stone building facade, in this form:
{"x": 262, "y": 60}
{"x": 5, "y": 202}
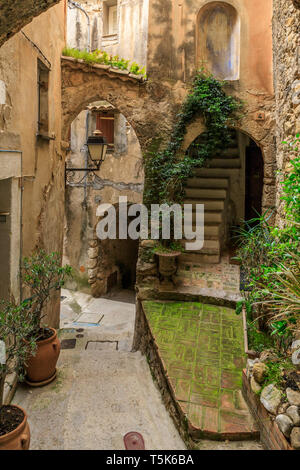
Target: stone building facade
{"x": 15, "y": 15}
{"x": 119, "y": 28}
{"x": 286, "y": 40}
{"x": 31, "y": 155}
{"x": 182, "y": 37}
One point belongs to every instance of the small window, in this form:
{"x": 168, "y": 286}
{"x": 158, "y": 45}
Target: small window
{"x": 43, "y": 104}
{"x": 110, "y": 17}
{"x": 106, "y": 124}
{"x": 113, "y": 20}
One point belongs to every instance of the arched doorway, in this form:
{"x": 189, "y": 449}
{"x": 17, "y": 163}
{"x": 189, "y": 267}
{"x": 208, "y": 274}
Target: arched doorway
{"x": 111, "y": 263}
{"x": 254, "y": 181}
{"x": 230, "y": 186}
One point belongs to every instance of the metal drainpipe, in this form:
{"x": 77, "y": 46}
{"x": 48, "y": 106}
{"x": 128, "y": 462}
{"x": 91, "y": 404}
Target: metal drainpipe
{"x": 86, "y": 157}
{"x": 77, "y": 5}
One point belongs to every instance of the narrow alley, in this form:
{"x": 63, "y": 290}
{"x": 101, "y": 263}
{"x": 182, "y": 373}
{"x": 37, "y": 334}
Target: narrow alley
{"x": 103, "y": 390}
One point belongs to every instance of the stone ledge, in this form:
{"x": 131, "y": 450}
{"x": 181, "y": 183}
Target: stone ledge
{"x": 107, "y": 68}
{"x": 152, "y": 292}
{"x": 270, "y": 435}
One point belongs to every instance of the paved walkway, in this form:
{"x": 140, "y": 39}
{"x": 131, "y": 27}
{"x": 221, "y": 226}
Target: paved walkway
{"x": 209, "y": 280}
{"x": 103, "y": 390}
{"x": 101, "y": 393}
{"x": 202, "y": 349}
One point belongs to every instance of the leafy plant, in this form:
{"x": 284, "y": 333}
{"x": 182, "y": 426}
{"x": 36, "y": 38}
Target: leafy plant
{"x": 172, "y": 247}
{"x": 276, "y": 373}
{"x": 102, "y": 57}
{"x": 15, "y": 327}
{"x": 285, "y": 298}
{"x": 43, "y": 274}
{"x": 167, "y": 170}
{"x": 269, "y": 256}
{"x": 258, "y": 340}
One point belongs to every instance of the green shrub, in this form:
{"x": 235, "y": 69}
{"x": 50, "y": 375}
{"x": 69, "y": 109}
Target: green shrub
{"x": 102, "y": 57}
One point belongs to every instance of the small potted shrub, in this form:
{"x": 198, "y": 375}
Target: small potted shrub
{"x": 15, "y": 326}
{"x": 43, "y": 274}
{"x": 167, "y": 261}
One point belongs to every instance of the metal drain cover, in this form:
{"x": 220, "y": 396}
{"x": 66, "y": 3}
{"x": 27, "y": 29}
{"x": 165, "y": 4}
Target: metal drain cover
{"x": 102, "y": 346}
{"x": 134, "y": 441}
{"x": 68, "y": 343}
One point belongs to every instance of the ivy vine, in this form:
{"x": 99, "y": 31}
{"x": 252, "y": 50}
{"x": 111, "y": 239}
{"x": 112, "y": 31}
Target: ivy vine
{"x": 167, "y": 170}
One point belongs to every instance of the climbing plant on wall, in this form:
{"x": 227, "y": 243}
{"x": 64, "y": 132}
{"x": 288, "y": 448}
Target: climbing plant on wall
{"x": 167, "y": 170}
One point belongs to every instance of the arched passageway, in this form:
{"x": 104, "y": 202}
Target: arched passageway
{"x": 108, "y": 264}
{"x": 231, "y": 188}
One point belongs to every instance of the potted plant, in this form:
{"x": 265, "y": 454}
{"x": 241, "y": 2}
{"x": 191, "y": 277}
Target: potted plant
{"x": 167, "y": 261}
{"x": 43, "y": 274}
{"x": 15, "y": 326}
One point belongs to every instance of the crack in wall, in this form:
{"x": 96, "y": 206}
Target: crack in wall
{"x": 99, "y": 183}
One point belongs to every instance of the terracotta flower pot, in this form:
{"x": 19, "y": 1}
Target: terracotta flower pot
{"x": 19, "y": 438}
{"x": 41, "y": 368}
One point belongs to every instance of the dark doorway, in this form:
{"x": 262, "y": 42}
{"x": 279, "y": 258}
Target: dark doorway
{"x": 254, "y": 181}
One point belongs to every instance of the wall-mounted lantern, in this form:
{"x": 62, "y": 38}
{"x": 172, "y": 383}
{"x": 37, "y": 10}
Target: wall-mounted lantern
{"x": 97, "y": 150}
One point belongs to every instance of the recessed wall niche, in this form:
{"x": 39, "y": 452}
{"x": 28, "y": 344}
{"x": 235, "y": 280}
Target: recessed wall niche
{"x": 218, "y": 40}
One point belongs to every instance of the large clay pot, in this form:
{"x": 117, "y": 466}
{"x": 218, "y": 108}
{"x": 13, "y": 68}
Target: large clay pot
{"x": 19, "y": 438}
{"x": 168, "y": 266}
{"x": 41, "y": 368}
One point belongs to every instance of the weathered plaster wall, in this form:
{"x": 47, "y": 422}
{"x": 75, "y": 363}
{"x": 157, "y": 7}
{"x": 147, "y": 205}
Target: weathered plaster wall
{"x": 129, "y": 42}
{"x": 14, "y": 15}
{"x": 120, "y": 175}
{"x": 42, "y": 160}
{"x": 286, "y": 24}
{"x": 172, "y": 58}
{"x": 151, "y": 108}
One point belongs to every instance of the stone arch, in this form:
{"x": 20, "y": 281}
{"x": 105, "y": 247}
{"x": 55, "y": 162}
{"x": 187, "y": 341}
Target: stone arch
{"x": 107, "y": 267}
{"x": 144, "y": 105}
{"x": 218, "y": 40}
{"x": 121, "y": 174}
{"x": 264, "y": 142}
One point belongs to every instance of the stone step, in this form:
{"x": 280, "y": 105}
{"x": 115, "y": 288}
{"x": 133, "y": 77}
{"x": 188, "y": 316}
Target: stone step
{"x": 197, "y": 258}
{"x": 233, "y": 152}
{"x": 214, "y": 172}
{"x": 211, "y": 232}
{"x": 219, "y": 183}
{"x": 210, "y": 218}
{"x": 211, "y": 247}
{"x": 206, "y": 193}
{"x": 209, "y": 204}
{"x": 224, "y": 163}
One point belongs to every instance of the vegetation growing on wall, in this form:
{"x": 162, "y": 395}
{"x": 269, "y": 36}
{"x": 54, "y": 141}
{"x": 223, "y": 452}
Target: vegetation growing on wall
{"x": 167, "y": 170}
{"x": 102, "y": 57}
{"x": 269, "y": 255}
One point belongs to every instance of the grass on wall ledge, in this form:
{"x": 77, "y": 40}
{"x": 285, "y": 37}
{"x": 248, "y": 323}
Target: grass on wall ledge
{"x": 103, "y": 58}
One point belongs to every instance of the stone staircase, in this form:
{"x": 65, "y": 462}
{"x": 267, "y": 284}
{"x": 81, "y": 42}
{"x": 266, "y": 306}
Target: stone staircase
{"x": 211, "y": 186}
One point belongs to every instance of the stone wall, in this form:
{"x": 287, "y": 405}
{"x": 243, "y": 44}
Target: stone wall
{"x": 39, "y": 177}
{"x": 173, "y": 57}
{"x": 14, "y": 15}
{"x": 122, "y": 173}
{"x": 286, "y": 21}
